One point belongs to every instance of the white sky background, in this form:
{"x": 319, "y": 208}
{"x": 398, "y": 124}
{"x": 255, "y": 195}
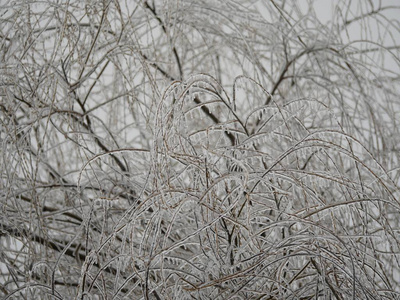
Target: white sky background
{"x": 325, "y": 11}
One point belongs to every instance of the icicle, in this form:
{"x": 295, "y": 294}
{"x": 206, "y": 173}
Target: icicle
{"x": 266, "y": 139}
{"x": 304, "y": 153}
{"x": 175, "y": 93}
{"x": 309, "y": 152}
{"x": 190, "y": 95}
{"x": 202, "y": 84}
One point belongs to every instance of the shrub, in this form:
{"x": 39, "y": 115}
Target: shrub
{"x": 199, "y": 150}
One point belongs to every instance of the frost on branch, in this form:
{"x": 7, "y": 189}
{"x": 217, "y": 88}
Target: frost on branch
{"x": 198, "y": 150}
{"x": 282, "y": 197}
